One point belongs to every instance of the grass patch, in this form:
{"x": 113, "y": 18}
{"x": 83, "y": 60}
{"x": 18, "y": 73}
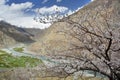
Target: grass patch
{"x": 9, "y": 61}
{"x": 19, "y": 49}
{"x": 2, "y": 52}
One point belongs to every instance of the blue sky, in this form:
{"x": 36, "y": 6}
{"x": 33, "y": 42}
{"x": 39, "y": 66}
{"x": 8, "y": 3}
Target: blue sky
{"x": 71, "y": 4}
{"x": 22, "y": 12}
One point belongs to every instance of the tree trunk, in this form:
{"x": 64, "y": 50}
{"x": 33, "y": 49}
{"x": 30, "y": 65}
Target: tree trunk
{"x": 111, "y": 78}
{"x": 114, "y": 77}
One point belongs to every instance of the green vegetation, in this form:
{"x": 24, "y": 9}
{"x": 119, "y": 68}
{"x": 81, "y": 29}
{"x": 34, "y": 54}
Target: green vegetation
{"x": 2, "y": 52}
{"x": 9, "y": 61}
{"x": 19, "y": 49}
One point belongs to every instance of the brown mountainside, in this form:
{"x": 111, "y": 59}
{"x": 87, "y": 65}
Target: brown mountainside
{"x": 36, "y": 33}
{"x": 57, "y": 41}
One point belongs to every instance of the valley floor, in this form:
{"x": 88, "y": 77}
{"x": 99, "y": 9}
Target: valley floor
{"x": 13, "y": 66}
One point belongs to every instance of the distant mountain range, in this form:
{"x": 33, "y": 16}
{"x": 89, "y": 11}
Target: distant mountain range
{"x": 10, "y": 34}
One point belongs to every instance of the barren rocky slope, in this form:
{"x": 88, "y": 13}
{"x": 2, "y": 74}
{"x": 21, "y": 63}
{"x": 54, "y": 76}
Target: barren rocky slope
{"x": 58, "y": 41}
{"x": 36, "y": 33}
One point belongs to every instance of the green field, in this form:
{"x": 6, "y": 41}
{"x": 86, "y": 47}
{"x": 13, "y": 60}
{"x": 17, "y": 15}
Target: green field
{"x": 2, "y": 52}
{"x": 19, "y": 49}
{"x": 9, "y": 61}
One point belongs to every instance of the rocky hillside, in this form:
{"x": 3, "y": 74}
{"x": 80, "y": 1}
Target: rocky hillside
{"x": 10, "y": 35}
{"x": 36, "y": 33}
{"x": 54, "y": 40}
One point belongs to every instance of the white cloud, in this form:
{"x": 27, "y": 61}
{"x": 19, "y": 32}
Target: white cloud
{"x": 59, "y": 0}
{"x": 44, "y": 1}
{"x": 28, "y": 22}
{"x": 16, "y": 14}
{"x": 3, "y": 2}
{"x": 52, "y": 9}
{"x": 21, "y": 6}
